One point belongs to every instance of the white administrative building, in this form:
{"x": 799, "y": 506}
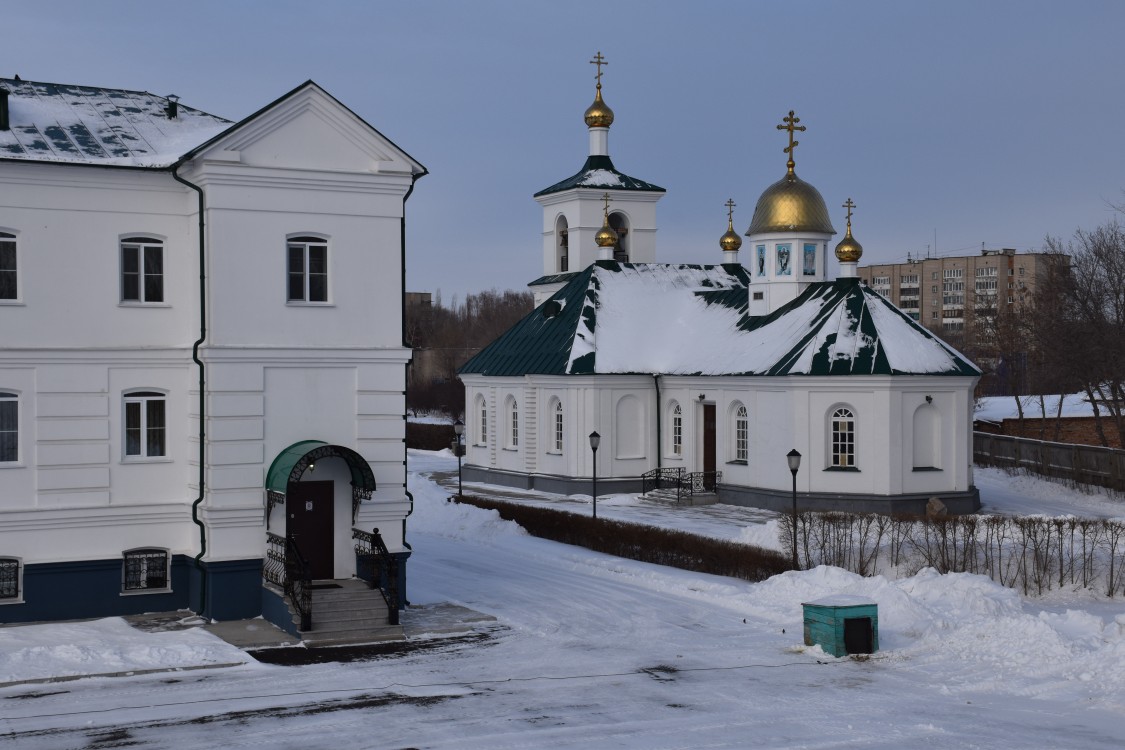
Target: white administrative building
{"x": 203, "y": 357}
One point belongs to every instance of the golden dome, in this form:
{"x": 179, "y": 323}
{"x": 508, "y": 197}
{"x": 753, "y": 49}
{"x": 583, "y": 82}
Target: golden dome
{"x": 730, "y": 242}
{"x": 598, "y": 114}
{"x": 790, "y": 205}
{"x": 606, "y": 237}
{"x": 849, "y": 251}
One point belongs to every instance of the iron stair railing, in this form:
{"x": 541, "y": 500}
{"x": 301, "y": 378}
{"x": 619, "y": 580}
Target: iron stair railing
{"x": 376, "y": 565}
{"x": 686, "y": 484}
{"x": 286, "y": 568}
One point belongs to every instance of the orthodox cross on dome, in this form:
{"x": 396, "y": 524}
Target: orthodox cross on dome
{"x": 730, "y": 204}
{"x": 849, "y": 204}
{"x": 599, "y": 61}
{"x": 790, "y": 123}
{"x": 605, "y": 199}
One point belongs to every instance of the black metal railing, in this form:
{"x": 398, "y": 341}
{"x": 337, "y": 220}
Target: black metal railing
{"x": 703, "y": 481}
{"x": 286, "y": 568}
{"x": 684, "y": 483}
{"x": 376, "y": 565}
{"x": 659, "y": 479}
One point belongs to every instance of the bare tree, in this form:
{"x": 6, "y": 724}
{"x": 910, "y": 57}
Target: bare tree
{"x": 1081, "y": 319}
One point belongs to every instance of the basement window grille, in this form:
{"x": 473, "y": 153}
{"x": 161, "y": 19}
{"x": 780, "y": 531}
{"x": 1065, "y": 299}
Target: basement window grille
{"x": 9, "y": 578}
{"x": 146, "y": 569}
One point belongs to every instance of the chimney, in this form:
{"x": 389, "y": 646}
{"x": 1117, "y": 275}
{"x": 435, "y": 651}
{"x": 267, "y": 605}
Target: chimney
{"x": 4, "y": 109}
{"x": 172, "y": 109}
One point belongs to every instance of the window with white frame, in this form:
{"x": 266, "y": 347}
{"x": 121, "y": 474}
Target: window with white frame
{"x": 843, "y": 438}
{"x": 741, "y": 434}
{"x": 145, "y": 427}
{"x": 482, "y": 423}
{"x": 558, "y": 426}
{"x": 308, "y": 269}
{"x": 9, "y": 427}
{"x": 145, "y": 570}
{"x": 142, "y": 270}
{"x": 513, "y": 423}
{"x": 9, "y": 578}
{"x": 677, "y": 430}
{"x": 9, "y": 280}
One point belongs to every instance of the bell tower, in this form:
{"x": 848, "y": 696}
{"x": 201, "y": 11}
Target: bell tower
{"x": 574, "y": 210}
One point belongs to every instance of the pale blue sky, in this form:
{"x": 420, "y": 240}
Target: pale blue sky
{"x": 994, "y": 122}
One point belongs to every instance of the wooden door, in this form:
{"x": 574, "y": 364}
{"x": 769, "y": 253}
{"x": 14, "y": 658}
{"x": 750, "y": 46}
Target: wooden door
{"x": 310, "y": 524}
{"x": 709, "y": 446}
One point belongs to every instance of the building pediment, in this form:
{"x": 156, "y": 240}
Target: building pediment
{"x": 308, "y": 129}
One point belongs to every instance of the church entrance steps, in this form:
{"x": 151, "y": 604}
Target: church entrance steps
{"x": 670, "y": 496}
{"x": 347, "y": 611}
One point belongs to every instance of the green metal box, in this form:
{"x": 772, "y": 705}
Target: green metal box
{"x": 842, "y": 624}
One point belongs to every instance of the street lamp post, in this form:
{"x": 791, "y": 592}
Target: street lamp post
{"x": 459, "y": 430}
{"x": 595, "y": 441}
{"x": 794, "y": 459}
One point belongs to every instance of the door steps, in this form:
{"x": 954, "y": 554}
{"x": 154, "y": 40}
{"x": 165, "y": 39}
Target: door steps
{"x": 346, "y": 612}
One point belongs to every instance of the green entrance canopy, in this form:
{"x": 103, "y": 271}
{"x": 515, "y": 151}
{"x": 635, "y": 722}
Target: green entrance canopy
{"x": 291, "y": 463}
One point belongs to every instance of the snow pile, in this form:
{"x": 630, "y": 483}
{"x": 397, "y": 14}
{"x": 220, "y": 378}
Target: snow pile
{"x": 105, "y": 646}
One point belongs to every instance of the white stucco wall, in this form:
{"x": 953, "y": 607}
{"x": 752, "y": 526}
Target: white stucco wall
{"x": 276, "y": 372}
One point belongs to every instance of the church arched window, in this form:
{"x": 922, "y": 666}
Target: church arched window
{"x": 482, "y": 421}
{"x": 620, "y": 224}
{"x": 555, "y": 414}
{"x": 741, "y": 436}
{"x": 513, "y": 422}
{"x": 843, "y": 438}
{"x": 562, "y": 245}
{"x": 677, "y": 430}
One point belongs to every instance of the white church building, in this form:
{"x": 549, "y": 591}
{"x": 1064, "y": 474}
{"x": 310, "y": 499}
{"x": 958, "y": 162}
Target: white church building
{"x": 707, "y": 376}
{"x": 203, "y": 361}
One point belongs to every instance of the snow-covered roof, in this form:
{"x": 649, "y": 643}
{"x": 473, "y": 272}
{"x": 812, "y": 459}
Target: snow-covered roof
{"x": 107, "y": 127}
{"x": 622, "y": 318}
{"x": 599, "y": 173}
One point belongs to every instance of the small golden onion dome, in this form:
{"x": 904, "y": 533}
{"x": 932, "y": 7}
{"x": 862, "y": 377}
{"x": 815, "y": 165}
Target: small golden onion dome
{"x": 606, "y": 237}
{"x": 790, "y": 205}
{"x": 849, "y": 251}
{"x": 598, "y": 114}
{"x": 730, "y": 242}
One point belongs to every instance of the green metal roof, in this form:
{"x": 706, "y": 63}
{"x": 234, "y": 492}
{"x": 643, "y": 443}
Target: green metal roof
{"x": 598, "y": 173}
{"x": 623, "y": 318}
{"x": 292, "y": 462}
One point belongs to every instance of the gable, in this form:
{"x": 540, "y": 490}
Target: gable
{"x": 308, "y": 129}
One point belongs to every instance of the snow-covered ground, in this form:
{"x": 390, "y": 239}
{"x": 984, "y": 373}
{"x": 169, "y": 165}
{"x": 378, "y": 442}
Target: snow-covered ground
{"x": 592, "y": 651}
{"x": 998, "y": 408}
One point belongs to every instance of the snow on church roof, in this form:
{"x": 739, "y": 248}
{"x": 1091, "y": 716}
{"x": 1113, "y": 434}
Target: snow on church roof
{"x": 599, "y": 172}
{"x": 622, "y": 318}
{"x": 107, "y": 127}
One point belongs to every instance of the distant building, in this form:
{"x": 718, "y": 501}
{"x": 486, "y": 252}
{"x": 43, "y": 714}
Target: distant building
{"x": 942, "y": 293}
{"x": 197, "y": 314}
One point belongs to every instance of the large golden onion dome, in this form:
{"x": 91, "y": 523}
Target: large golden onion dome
{"x": 790, "y": 205}
{"x": 598, "y": 114}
